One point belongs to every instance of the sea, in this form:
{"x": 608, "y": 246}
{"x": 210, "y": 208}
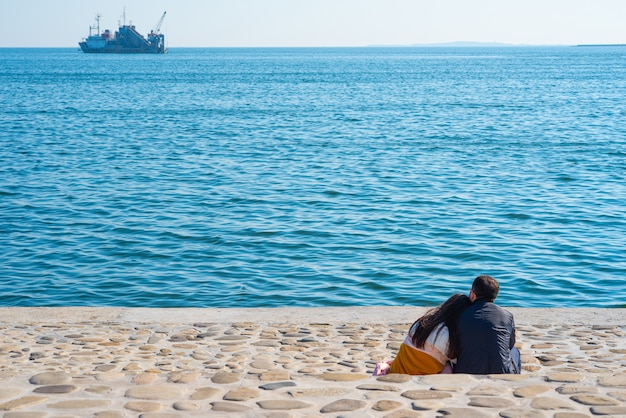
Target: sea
{"x": 268, "y": 177}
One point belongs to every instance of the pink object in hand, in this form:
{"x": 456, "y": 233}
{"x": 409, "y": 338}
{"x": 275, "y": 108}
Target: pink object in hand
{"x": 381, "y": 368}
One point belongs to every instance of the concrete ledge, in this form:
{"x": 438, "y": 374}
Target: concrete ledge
{"x": 360, "y": 314}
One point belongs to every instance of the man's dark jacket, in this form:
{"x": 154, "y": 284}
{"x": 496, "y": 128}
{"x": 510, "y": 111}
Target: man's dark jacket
{"x": 487, "y": 334}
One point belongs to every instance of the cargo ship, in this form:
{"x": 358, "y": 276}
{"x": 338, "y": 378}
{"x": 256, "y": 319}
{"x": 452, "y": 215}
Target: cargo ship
{"x": 126, "y": 40}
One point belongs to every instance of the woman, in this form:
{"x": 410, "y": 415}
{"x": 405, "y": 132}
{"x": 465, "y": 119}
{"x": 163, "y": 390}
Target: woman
{"x": 432, "y": 341}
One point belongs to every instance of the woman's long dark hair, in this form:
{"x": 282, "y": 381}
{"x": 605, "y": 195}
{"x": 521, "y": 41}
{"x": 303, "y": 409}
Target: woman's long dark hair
{"x": 448, "y": 313}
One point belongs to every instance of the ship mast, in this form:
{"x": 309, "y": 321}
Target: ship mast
{"x": 97, "y": 26}
{"x": 123, "y": 22}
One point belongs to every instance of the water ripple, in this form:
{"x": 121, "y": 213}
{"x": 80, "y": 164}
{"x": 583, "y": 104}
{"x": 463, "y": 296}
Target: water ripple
{"x": 330, "y": 177}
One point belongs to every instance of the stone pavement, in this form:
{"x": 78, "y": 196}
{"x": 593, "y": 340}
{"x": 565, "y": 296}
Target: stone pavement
{"x": 293, "y": 362}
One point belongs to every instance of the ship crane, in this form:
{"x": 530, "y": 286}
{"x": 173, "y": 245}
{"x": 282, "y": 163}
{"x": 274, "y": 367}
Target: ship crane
{"x": 157, "y": 27}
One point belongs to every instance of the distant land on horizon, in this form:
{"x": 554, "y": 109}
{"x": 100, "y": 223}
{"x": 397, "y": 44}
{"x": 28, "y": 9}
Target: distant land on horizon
{"x": 601, "y": 45}
{"x": 470, "y": 44}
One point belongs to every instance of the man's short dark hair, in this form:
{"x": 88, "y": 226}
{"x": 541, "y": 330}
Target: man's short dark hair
{"x": 486, "y": 287}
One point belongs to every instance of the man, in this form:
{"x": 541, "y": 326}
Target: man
{"x": 487, "y": 333}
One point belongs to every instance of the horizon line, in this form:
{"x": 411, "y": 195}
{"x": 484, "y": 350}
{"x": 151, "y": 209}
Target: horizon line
{"x": 453, "y": 44}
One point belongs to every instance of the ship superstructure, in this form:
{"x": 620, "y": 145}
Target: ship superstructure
{"x": 126, "y": 40}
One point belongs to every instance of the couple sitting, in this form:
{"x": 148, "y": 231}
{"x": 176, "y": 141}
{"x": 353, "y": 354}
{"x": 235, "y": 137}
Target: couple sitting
{"x": 464, "y": 335}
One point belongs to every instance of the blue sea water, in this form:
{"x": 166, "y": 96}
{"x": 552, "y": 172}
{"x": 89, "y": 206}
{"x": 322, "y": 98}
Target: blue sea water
{"x": 312, "y": 177}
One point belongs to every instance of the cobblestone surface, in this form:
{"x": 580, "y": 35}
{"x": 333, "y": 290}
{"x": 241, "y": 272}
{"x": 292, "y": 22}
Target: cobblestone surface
{"x": 280, "y": 368}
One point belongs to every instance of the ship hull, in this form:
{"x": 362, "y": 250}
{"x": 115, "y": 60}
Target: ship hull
{"x": 117, "y": 49}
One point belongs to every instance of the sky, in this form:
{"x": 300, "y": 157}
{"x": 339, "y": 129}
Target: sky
{"x": 310, "y": 23}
